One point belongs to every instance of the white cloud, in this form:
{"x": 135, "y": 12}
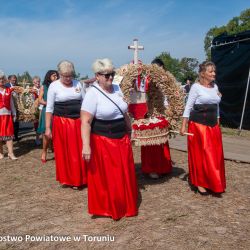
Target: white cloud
{"x": 38, "y": 45}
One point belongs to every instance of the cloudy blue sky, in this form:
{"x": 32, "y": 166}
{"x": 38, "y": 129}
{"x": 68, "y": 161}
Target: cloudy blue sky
{"x": 36, "y": 34}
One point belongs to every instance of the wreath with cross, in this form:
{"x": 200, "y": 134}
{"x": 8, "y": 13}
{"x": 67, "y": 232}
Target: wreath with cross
{"x": 160, "y": 85}
{"x": 26, "y": 106}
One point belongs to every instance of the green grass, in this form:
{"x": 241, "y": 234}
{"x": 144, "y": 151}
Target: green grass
{"x": 235, "y": 132}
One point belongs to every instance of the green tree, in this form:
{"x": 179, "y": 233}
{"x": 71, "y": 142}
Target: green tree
{"x": 24, "y": 78}
{"x": 181, "y": 69}
{"x": 170, "y": 64}
{"x": 234, "y": 26}
{"x": 188, "y": 67}
{"x": 77, "y": 75}
{"x": 84, "y": 77}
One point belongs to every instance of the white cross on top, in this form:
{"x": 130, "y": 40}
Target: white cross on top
{"x": 136, "y": 47}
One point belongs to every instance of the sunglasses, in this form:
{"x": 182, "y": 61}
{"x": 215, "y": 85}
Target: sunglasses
{"x": 107, "y": 75}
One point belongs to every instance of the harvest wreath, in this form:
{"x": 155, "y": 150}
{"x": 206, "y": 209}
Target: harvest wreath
{"x": 154, "y": 128}
{"x": 27, "y": 107}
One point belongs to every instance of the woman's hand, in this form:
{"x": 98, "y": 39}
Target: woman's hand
{"x": 86, "y": 152}
{"x": 182, "y": 130}
{"x": 48, "y": 133}
{"x": 183, "y": 126}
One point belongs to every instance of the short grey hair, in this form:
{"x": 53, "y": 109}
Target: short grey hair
{"x": 102, "y": 65}
{"x": 66, "y": 67}
{"x": 36, "y": 78}
{"x": 2, "y": 75}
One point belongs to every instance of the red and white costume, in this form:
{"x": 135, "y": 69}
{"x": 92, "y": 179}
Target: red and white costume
{"x": 155, "y": 158}
{"x": 205, "y": 149}
{"x": 112, "y": 186}
{"x": 65, "y": 104}
{"x": 7, "y": 110}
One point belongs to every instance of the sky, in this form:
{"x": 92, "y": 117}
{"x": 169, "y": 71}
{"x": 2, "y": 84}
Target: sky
{"x": 36, "y": 35}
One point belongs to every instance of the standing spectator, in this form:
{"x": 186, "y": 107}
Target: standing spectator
{"x": 187, "y": 86}
{"x": 51, "y": 76}
{"x": 205, "y": 149}
{"x": 7, "y": 112}
{"x": 64, "y": 104}
{"x": 12, "y": 82}
{"x": 112, "y": 187}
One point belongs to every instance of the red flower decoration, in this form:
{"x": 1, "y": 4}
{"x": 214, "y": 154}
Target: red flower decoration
{"x": 163, "y": 123}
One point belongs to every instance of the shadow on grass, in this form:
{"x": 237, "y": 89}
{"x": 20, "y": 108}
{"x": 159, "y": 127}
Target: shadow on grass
{"x": 23, "y": 147}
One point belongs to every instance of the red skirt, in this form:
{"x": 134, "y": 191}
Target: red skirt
{"x": 70, "y": 167}
{"x": 156, "y": 159}
{"x": 112, "y": 186}
{"x": 206, "y": 157}
{"x": 6, "y": 128}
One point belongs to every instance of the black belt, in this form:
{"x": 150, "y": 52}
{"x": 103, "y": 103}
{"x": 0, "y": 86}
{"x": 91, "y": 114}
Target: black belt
{"x": 68, "y": 109}
{"x": 114, "y": 129}
{"x": 205, "y": 114}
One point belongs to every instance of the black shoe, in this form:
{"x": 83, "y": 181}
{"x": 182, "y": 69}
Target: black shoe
{"x": 202, "y": 193}
{"x": 217, "y": 195}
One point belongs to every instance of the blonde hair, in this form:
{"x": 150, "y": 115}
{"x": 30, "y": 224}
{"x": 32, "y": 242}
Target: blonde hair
{"x": 66, "y": 67}
{"x": 203, "y": 66}
{"x": 102, "y": 65}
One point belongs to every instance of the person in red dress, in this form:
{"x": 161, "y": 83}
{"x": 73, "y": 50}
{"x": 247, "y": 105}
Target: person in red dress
{"x": 112, "y": 186}
{"x": 64, "y": 101}
{"x": 12, "y": 83}
{"x": 7, "y": 113}
{"x": 205, "y": 149}
{"x": 156, "y": 159}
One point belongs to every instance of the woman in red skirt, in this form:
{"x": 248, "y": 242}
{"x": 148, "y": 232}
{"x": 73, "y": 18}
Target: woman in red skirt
{"x": 112, "y": 186}
{"x": 64, "y": 101}
{"x": 205, "y": 150}
{"x": 7, "y": 112}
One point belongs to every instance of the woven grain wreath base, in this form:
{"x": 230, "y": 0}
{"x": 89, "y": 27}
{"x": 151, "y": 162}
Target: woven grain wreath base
{"x": 150, "y": 131}
{"x": 150, "y": 137}
{"x": 162, "y": 84}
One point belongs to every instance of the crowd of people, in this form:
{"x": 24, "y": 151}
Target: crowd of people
{"x": 90, "y": 128}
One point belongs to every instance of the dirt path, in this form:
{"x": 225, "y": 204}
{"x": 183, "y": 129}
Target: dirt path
{"x": 170, "y": 216}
